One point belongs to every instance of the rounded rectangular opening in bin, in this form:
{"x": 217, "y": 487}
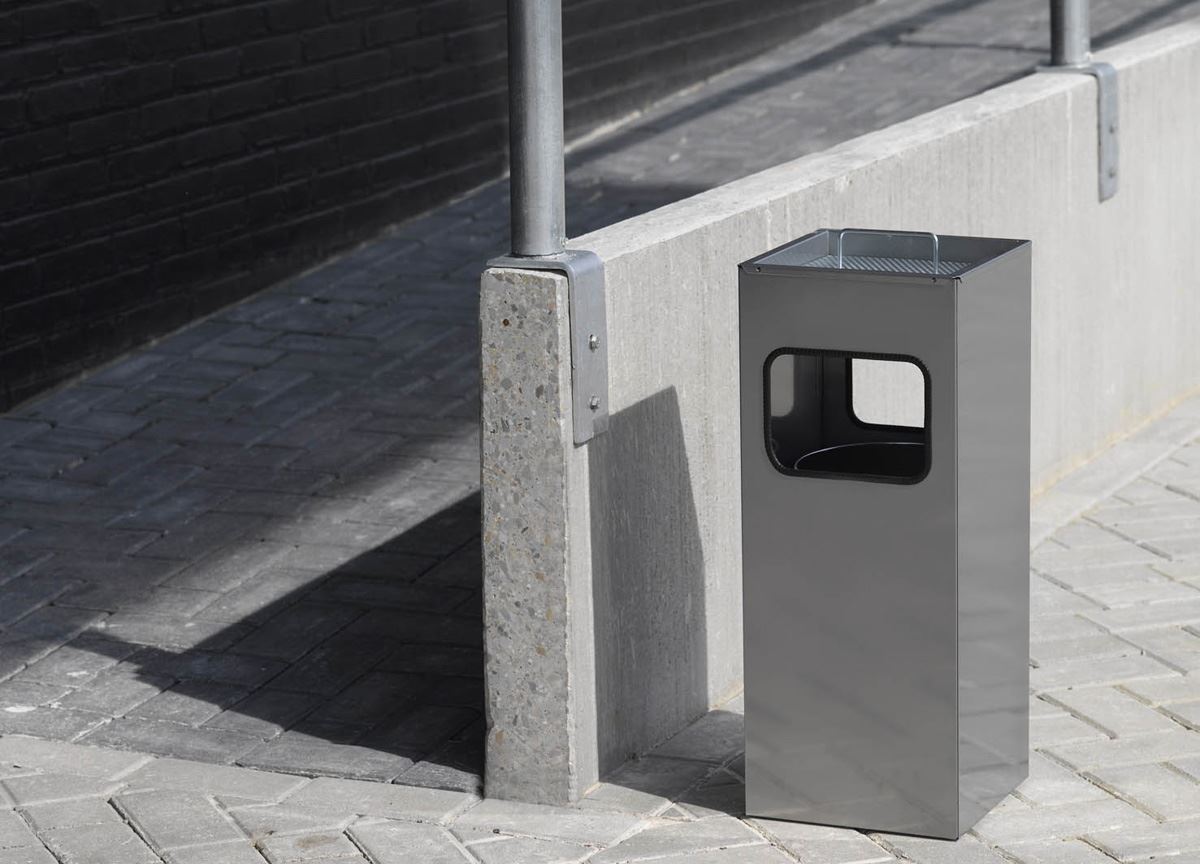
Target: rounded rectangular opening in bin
{"x": 850, "y": 415}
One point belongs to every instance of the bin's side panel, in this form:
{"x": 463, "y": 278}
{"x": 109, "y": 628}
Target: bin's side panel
{"x": 849, "y": 585}
{"x": 993, "y": 526}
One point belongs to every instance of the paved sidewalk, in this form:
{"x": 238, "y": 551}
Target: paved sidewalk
{"x": 256, "y": 542}
{"x": 1114, "y": 774}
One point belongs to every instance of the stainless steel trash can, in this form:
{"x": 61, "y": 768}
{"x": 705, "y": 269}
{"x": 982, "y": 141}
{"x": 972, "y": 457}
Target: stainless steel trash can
{"x": 885, "y": 511}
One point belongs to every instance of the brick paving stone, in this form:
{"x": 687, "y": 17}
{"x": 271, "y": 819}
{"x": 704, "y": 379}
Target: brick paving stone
{"x": 1115, "y": 595}
{"x": 1064, "y": 820}
{"x": 1115, "y": 712}
{"x": 1119, "y": 574}
{"x": 318, "y": 845}
{"x": 1177, "y": 507}
{"x": 1147, "y": 842}
{"x": 29, "y": 855}
{"x": 1056, "y": 852}
{"x": 1050, "y": 784}
{"x": 924, "y": 851}
{"x": 214, "y": 780}
{"x": 722, "y": 793}
{"x": 47, "y": 788}
{"x": 19, "y": 845}
{"x": 17, "y": 694}
{"x": 224, "y": 569}
{"x": 364, "y": 798}
{"x": 1095, "y": 673}
{"x": 1176, "y": 646}
{"x": 262, "y": 821}
{"x": 117, "y": 690}
{"x": 173, "y": 819}
{"x": 265, "y": 713}
{"x": 329, "y": 758}
{"x": 1171, "y": 690}
{"x": 292, "y": 632}
{"x": 1052, "y": 558}
{"x": 456, "y": 765}
{"x": 552, "y": 823}
{"x": 54, "y": 623}
{"x": 717, "y": 737}
{"x": 1164, "y": 793}
{"x": 59, "y": 756}
{"x": 1046, "y": 653}
{"x": 260, "y": 598}
{"x": 70, "y": 814}
{"x": 236, "y": 852}
{"x": 1086, "y": 534}
{"x": 28, "y": 593}
{"x": 1161, "y": 747}
{"x": 1045, "y": 628}
{"x": 171, "y": 739}
{"x": 375, "y": 593}
{"x": 242, "y": 670}
{"x": 529, "y": 850}
{"x": 740, "y": 855}
{"x": 422, "y": 729}
{"x": 374, "y": 695}
{"x": 189, "y": 702}
{"x": 170, "y": 632}
{"x": 403, "y": 843}
{"x": 48, "y": 721}
{"x": 332, "y": 665}
{"x": 99, "y": 844}
{"x": 665, "y": 837}
{"x": 449, "y": 660}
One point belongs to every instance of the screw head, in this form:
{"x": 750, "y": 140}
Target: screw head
{"x": 594, "y": 342}
{"x": 594, "y": 403}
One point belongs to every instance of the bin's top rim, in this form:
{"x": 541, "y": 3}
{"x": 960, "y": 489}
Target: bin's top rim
{"x": 910, "y": 254}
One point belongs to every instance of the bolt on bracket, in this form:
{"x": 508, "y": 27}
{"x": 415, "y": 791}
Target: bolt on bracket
{"x": 589, "y": 333}
{"x": 1107, "y": 109}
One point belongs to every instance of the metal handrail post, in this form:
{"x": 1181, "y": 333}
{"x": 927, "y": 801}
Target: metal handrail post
{"x": 1070, "y": 33}
{"x": 535, "y": 93}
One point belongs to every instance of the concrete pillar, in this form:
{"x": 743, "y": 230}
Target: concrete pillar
{"x": 541, "y": 743}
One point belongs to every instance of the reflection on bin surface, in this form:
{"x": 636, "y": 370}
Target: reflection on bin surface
{"x": 885, "y": 513}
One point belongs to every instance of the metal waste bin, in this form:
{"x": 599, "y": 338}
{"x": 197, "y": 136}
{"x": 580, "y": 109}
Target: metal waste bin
{"x": 885, "y": 528}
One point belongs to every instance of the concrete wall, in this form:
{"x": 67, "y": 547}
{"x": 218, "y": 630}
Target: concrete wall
{"x": 650, "y": 513}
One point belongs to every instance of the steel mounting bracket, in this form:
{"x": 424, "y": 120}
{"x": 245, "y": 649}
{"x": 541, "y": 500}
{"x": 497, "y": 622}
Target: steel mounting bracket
{"x": 589, "y": 332}
{"x": 1107, "y": 109}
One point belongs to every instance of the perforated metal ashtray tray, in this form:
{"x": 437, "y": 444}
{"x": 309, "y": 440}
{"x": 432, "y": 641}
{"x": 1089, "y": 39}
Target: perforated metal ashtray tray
{"x": 881, "y": 264}
{"x": 864, "y": 250}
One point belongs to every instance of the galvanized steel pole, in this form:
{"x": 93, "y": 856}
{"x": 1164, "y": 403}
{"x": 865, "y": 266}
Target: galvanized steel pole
{"x": 535, "y": 93}
{"x": 1070, "y": 33}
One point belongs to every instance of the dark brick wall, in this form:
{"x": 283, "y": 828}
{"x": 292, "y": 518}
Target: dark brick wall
{"x": 161, "y": 158}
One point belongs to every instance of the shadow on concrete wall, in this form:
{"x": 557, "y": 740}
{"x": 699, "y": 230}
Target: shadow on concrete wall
{"x": 647, "y": 581}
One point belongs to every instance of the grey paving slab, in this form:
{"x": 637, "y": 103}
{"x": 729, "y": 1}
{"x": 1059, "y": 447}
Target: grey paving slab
{"x": 404, "y": 843}
{"x": 551, "y": 823}
{"x": 169, "y": 820}
{"x": 1164, "y": 793}
{"x": 99, "y": 844}
{"x": 666, "y": 837}
{"x": 237, "y": 852}
{"x": 260, "y": 821}
{"x": 1057, "y": 852}
{"x": 364, "y": 798}
{"x": 213, "y": 779}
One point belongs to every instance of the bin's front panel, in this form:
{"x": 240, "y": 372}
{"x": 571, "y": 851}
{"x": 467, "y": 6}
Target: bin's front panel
{"x": 850, "y": 645}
